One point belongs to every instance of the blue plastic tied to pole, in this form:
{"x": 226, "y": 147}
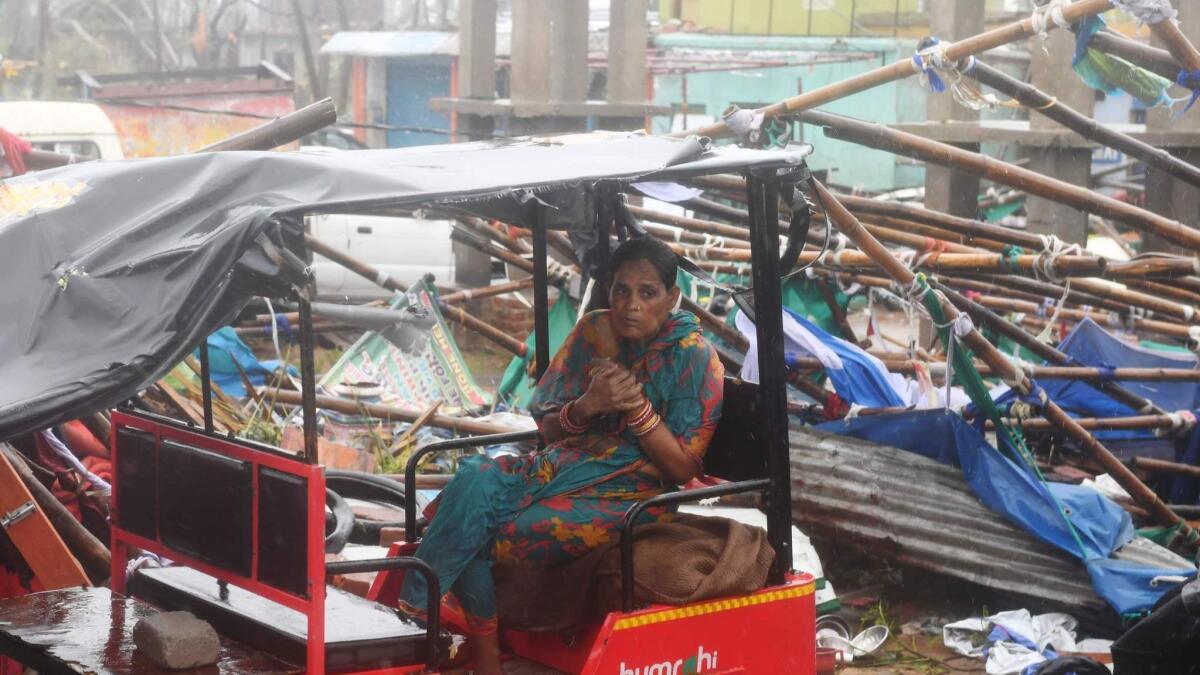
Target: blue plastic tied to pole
{"x": 280, "y": 321}
{"x": 1108, "y": 373}
{"x": 1189, "y": 79}
{"x": 923, "y": 62}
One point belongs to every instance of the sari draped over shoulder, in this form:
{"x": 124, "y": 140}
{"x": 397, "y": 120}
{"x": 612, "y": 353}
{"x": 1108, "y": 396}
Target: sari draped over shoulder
{"x": 561, "y": 502}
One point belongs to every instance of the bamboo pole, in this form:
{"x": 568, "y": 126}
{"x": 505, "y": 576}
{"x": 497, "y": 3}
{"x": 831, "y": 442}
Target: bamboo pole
{"x": 1000, "y": 364}
{"x": 90, "y": 551}
{"x": 1177, "y": 44}
{"x": 391, "y": 413}
{"x": 1045, "y": 104}
{"x": 1042, "y": 350}
{"x": 1158, "y": 61}
{"x": 905, "y": 366}
{"x": 1097, "y": 423}
{"x": 1161, "y": 466}
{"x": 978, "y": 263}
{"x": 909, "y": 145}
{"x": 1181, "y": 295}
{"x": 1150, "y": 325}
{"x": 487, "y": 291}
{"x": 903, "y": 68}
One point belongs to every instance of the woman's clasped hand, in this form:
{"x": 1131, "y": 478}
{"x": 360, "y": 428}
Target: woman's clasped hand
{"x": 612, "y": 389}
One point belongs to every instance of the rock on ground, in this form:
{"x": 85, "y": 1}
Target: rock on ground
{"x": 177, "y": 640}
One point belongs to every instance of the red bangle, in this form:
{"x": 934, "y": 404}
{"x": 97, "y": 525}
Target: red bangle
{"x": 569, "y": 426}
{"x": 641, "y": 415}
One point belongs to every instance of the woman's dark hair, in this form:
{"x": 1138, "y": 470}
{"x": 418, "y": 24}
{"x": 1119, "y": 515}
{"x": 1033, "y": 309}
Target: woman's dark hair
{"x": 652, "y": 251}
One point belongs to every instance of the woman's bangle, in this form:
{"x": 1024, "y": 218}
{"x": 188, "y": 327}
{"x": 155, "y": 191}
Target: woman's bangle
{"x": 568, "y": 425}
{"x": 648, "y": 426}
{"x": 641, "y": 415}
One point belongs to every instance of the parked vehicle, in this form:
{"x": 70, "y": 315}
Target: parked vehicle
{"x": 406, "y": 248}
{"x": 80, "y": 129}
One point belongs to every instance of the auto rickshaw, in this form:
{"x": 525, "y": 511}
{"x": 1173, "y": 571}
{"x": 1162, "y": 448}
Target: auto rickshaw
{"x": 243, "y": 523}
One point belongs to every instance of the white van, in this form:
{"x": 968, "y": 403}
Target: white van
{"x": 81, "y": 129}
{"x": 405, "y": 248}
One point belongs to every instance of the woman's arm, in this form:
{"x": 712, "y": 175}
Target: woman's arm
{"x": 677, "y": 443}
{"x": 664, "y": 451}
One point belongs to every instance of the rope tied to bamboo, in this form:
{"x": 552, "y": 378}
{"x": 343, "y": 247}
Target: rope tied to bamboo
{"x": 937, "y": 70}
{"x": 745, "y": 124}
{"x": 1194, "y": 339}
{"x": 1053, "y": 248}
{"x": 557, "y": 272}
{"x": 1009, "y": 256}
{"x": 929, "y": 255}
{"x": 1182, "y": 422}
{"x": 1190, "y": 80}
{"x": 960, "y": 327}
{"x": 1044, "y": 14}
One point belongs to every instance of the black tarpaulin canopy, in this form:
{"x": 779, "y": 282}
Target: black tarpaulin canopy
{"x": 114, "y": 271}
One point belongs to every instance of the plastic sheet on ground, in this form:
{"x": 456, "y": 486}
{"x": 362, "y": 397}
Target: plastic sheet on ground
{"x": 1012, "y": 641}
{"x": 1007, "y": 488}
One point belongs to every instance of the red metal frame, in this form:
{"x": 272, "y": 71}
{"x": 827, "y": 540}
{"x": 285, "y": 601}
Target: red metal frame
{"x": 772, "y": 630}
{"x": 312, "y": 605}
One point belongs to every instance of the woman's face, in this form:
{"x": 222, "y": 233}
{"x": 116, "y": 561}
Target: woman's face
{"x": 640, "y": 302}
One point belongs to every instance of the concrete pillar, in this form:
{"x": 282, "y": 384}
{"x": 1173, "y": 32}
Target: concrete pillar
{"x": 1166, "y": 195}
{"x": 477, "y": 49}
{"x": 376, "y": 100}
{"x": 627, "y": 33}
{"x": 549, "y": 62}
{"x": 946, "y": 189}
{"x": 476, "y": 79}
{"x": 1051, "y": 68}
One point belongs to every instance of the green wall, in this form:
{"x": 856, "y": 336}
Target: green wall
{"x": 854, "y": 165}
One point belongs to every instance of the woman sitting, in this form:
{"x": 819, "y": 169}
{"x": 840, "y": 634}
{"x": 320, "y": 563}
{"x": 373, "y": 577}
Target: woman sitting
{"x": 626, "y": 410}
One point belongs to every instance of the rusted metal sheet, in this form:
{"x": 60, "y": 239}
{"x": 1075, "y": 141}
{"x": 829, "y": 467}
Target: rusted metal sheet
{"x": 921, "y": 514}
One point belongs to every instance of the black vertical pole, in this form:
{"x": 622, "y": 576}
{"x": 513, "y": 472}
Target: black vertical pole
{"x": 541, "y": 296}
{"x": 763, "y": 199}
{"x": 308, "y": 382}
{"x": 206, "y": 385}
{"x": 603, "y": 251}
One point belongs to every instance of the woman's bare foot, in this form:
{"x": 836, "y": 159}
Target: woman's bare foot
{"x": 485, "y": 652}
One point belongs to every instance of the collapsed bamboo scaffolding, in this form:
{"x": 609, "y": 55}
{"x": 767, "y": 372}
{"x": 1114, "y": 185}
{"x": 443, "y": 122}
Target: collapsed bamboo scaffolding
{"x": 904, "y": 68}
{"x": 1010, "y": 373}
{"x": 1179, "y": 303}
{"x": 881, "y": 137}
{"x": 1044, "y": 104}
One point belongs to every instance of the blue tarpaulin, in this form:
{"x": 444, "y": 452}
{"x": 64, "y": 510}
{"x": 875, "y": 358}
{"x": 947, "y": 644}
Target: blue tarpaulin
{"x": 1012, "y": 490}
{"x": 1090, "y": 345}
{"x": 857, "y": 376}
{"x": 225, "y": 349}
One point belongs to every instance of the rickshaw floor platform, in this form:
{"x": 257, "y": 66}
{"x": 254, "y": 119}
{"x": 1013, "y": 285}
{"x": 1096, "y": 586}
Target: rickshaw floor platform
{"x": 90, "y": 629}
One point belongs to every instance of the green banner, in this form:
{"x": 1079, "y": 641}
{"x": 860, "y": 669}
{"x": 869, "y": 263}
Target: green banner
{"x": 434, "y": 371}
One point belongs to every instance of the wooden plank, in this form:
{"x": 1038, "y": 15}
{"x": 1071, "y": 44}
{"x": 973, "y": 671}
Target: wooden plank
{"x": 37, "y": 540}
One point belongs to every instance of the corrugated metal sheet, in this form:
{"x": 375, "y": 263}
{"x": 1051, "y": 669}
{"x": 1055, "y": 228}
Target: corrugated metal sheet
{"x": 921, "y": 514}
